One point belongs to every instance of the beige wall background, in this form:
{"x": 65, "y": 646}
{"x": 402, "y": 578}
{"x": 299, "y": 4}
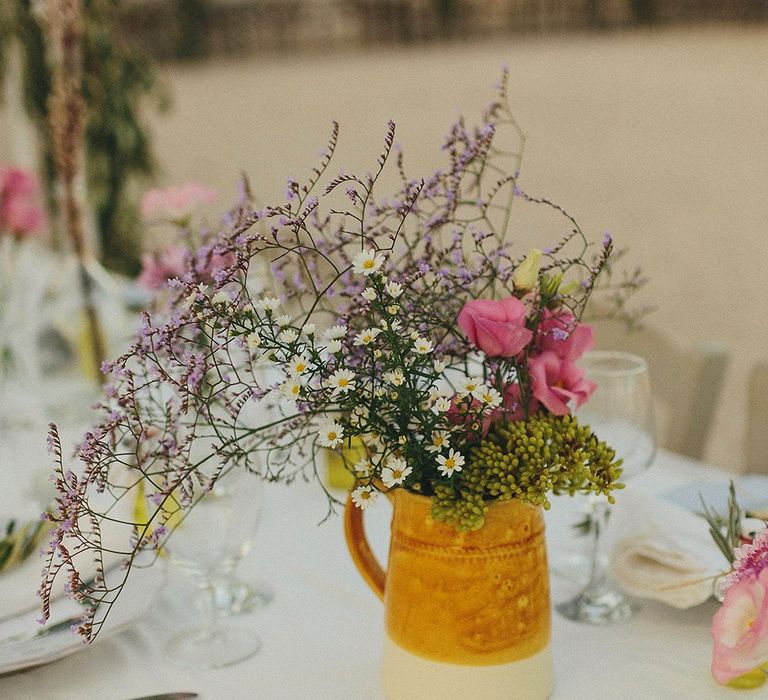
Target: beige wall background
{"x": 661, "y": 137}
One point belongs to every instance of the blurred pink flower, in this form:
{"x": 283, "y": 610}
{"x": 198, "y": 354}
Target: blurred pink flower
{"x": 496, "y": 327}
{"x": 175, "y": 202}
{"x": 513, "y": 405}
{"x": 158, "y": 268}
{"x": 459, "y": 414}
{"x": 740, "y": 629}
{"x": 556, "y": 382}
{"x": 21, "y": 213}
{"x": 562, "y": 334}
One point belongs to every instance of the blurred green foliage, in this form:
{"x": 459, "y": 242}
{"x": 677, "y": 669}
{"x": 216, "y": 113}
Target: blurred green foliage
{"x": 117, "y": 80}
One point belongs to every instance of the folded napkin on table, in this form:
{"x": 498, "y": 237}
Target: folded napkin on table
{"x": 663, "y": 551}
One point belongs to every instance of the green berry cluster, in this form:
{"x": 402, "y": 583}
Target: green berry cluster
{"x": 527, "y": 460}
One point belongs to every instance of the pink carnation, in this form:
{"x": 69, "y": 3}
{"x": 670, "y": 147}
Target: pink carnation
{"x": 176, "y": 202}
{"x": 21, "y": 213}
{"x": 562, "y": 334}
{"x": 751, "y": 559}
{"x": 740, "y": 629}
{"x": 496, "y": 327}
{"x": 557, "y": 381}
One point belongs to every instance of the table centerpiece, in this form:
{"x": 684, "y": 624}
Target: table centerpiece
{"x": 407, "y": 324}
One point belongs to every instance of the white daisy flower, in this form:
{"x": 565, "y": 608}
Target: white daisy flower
{"x": 298, "y": 365}
{"x": 268, "y": 304}
{"x": 309, "y": 329}
{"x": 395, "y": 472}
{"x": 452, "y": 463}
{"x": 333, "y": 346}
{"x": 253, "y": 341}
{"x": 367, "y": 336}
{"x": 221, "y": 299}
{"x": 363, "y": 496}
{"x": 394, "y": 289}
{"x": 291, "y": 389}
{"x": 363, "y": 468}
{"x": 367, "y": 262}
{"x": 283, "y": 320}
{"x": 441, "y": 405}
{"x": 491, "y": 398}
{"x": 394, "y": 325}
{"x": 248, "y": 309}
{"x": 471, "y": 385}
{"x": 369, "y": 294}
{"x": 342, "y": 380}
{"x": 379, "y": 392}
{"x": 393, "y": 309}
{"x": 331, "y": 434}
{"x": 415, "y": 335}
{"x": 440, "y": 439}
{"x": 334, "y": 332}
{"x": 422, "y": 346}
{"x": 289, "y": 335}
{"x": 395, "y": 377}
{"x": 439, "y": 366}
{"x": 377, "y": 354}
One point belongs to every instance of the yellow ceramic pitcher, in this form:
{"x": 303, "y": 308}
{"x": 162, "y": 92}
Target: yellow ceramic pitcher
{"x": 467, "y": 614}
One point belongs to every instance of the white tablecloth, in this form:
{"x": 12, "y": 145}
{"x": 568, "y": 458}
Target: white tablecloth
{"x": 322, "y": 636}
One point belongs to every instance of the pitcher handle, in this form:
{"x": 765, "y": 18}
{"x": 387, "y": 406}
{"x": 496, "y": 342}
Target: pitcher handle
{"x": 362, "y": 554}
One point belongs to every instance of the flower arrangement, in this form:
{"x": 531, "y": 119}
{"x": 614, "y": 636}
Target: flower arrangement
{"x": 407, "y": 323}
{"x": 740, "y": 626}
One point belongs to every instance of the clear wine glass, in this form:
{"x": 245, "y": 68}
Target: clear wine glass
{"x": 620, "y": 413}
{"x": 207, "y": 545}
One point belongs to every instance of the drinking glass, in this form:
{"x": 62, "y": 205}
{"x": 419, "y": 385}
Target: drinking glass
{"x": 621, "y": 414}
{"x": 208, "y": 544}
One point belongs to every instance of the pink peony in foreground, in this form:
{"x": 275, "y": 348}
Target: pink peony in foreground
{"x": 496, "y": 327}
{"x": 740, "y": 629}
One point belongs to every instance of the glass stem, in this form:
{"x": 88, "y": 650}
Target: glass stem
{"x": 598, "y": 575}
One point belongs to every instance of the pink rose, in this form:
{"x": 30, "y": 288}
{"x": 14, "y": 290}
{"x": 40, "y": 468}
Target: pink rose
{"x": 20, "y": 210}
{"x": 562, "y": 334}
{"x": 556, "y": 382}
{"x": 740, "y": 629}
{"x": 176, "y": 202}
{"x": 496, "y": 327}
{"x": 513, "y": 406}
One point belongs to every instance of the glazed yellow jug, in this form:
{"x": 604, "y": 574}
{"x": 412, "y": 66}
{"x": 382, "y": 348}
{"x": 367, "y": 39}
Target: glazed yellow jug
{"x": 467, "y": 614}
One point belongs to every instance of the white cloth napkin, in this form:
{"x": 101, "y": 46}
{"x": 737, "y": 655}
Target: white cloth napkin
{"x": 663, "y": 552}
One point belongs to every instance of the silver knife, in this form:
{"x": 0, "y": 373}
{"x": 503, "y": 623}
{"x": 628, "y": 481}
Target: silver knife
{"x": 167, "y": 696}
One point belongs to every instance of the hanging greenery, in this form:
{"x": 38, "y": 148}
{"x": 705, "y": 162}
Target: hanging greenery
{"x": 116, "y": 81}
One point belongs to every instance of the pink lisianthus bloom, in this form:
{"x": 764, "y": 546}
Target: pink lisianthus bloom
{"x": 496, "y": 327}
{"x": 158, "y": 268}
{"x": 556, "y": 382}
{"x": 176, "y": 202}
{"x": 740, "y": 629}
{"x": 561, "y": 334}
{"x": 513, "y": 406}
{"x": 21, "y": 213}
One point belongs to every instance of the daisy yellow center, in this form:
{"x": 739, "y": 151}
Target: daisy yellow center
{"x": 300, "y": 367}
{"x": 450, "y": 463}
{"x": 396, "y": 474}
{"x": 438, "y": 441}
{"x": 471, "y": 387}
{"x": 333, "y": 435}
{"x": 368, "y": 264}
{"x": 295, "y": 389}
{"x": 365, "y": 495}
{"x": 343, "y": 382}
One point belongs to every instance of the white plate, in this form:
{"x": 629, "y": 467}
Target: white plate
{"x": 25, "y": 644}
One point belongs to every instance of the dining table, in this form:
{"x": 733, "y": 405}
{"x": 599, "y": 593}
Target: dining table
{"x": 322, "y": 635}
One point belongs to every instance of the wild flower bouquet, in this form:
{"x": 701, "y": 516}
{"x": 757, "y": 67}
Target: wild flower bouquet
{"x": 740, "y": 626}
{"x": 407, "y": 322}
